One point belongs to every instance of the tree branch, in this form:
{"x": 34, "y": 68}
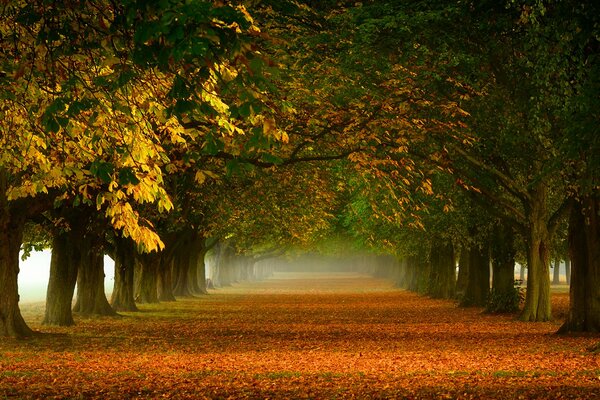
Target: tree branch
{"x": 256, "y": 161}
{"x": 559, "y": 214}
{"x": 498, "y": 176}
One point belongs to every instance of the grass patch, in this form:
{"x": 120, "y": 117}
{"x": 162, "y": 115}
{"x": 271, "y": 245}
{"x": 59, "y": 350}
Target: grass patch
{"x": 523, "y": 374}
{"x": 458, "y": 373}
{"x": 17, "y": 374}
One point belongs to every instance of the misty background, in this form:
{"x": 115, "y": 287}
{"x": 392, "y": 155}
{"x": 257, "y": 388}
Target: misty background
{"x": 35, "y": 271}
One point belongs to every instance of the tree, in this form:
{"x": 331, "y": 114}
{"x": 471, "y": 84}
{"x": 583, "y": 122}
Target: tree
{"x": 89, "y": 92}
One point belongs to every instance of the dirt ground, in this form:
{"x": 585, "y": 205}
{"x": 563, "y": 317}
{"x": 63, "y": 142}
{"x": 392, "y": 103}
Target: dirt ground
{"x": 298, "y": 336}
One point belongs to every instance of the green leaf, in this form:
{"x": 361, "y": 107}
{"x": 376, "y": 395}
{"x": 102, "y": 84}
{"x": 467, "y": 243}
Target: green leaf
{"x": 245, "y": 110}
{"x": 102, "y": 170}
{"x": 257, "y": 64}
{"x": 127, "y": 176}
{"x": 271, "y": 158}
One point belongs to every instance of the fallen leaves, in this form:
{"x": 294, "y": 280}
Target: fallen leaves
{"x": 340, "y": 337}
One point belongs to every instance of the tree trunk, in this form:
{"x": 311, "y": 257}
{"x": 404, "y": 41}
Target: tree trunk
{"x": 242, "y": 266}
{"x": 463, "y": 273}
{"x": 423, "y": 270}
{"x": 556, "y": 272}
{"x": 91, "y": 297}
{"x": 478, "y": 278}
{"x": 181, "y": 266}
{"x": 123, "y": 295}
{"x": 202, "y": 289}
{"x": 584, "y": 251}
{"x": 11, "y": 236}
{"x": 196, "y": 257}
{"x": 146, "y": 272}
{"x": 568, "y": 270}
{"x": 223, "y": 273}
{"x": 401, "y": 278}
{"x": 537, "y": 300}
{"x": 164, "y": 283}
{"x": 504, "y": 296}
{"x": 522, "y": 273}
{"x": 64, "y": 266}
{"x": 411, "y": 273}
{"x": 443, "y": 276}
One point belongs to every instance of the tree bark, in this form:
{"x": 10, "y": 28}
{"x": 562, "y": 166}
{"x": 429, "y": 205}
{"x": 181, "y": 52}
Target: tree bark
{"x": 64, "y": 266}
{"x": 463, "y": 273}
{"x": 443, "y": 276}
{"x": 181, "y": 266}
{"x": 145, "y": 274}
{"x": 164, "y": 283}
{"x": 568, "y": 270}
{"x": 504, "y": 297}
{"x": 91, "y": 297}
{"x": 478, "y": 278}
{"x": 401, "y": 279}
{"x": 196, "y": 272}
{"x": 584, "y": 251}
{"x": 522, "y": 273}
{"x": 537, "y": 299}
{"x": 12, "y": 323}
{"x": 556, "y": 272}
{"x": 411, "y": 273}
{"x": 201, "y": 272}
{"x": 123, "y": 295}
{"x": 222, "y": 265}
{"x": 423, "y": 270}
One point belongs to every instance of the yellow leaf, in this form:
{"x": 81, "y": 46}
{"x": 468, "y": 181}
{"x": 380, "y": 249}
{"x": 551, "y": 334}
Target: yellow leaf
{"x": 200, "y": 177}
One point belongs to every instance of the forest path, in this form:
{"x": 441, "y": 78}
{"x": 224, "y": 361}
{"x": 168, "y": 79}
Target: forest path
{"x": 300, "y": 335}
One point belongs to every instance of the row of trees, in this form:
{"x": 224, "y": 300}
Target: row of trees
{"x": 508, "y": 117}
{"x": 155, "y": 132}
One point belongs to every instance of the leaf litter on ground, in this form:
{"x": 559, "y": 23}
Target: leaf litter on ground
{"x": 295, "y": 336}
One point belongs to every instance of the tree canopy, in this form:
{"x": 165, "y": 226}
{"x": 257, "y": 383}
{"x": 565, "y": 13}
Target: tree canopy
{"x": 406, "y": 128}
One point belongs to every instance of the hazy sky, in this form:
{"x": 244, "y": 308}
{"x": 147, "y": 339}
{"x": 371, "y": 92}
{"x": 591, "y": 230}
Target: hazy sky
{"x": 34, "y": 273}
